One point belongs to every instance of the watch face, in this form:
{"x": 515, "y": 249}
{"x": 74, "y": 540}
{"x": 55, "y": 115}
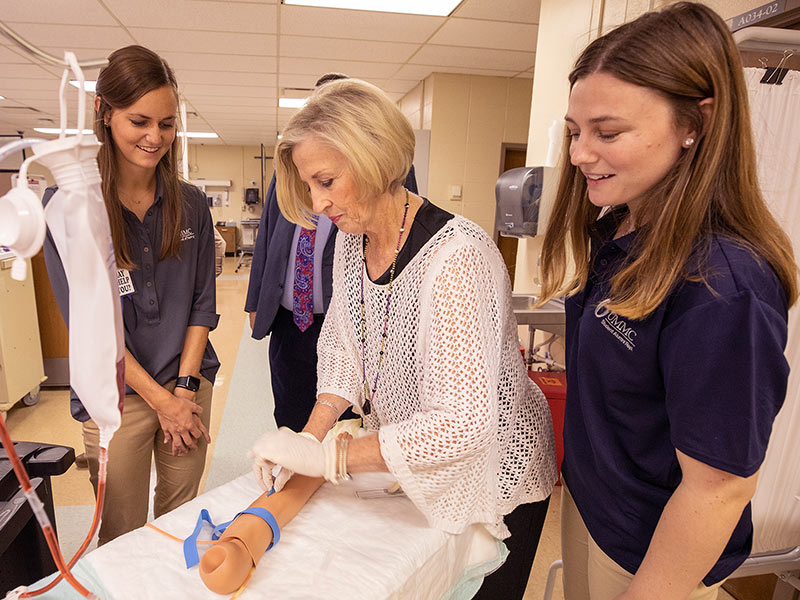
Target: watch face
{"x": 190, "y": 383}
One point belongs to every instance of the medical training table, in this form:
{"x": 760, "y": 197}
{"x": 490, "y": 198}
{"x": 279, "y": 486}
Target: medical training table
{"x": 338, "y": 546}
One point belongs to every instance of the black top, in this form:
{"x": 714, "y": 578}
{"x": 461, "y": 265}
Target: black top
{"x": 168, "y": 295}
{"x": 427, "y": 222}
{"x": 704, "y": 373}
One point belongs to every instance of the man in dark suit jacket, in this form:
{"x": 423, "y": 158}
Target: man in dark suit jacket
{"x": 292, "y": 353}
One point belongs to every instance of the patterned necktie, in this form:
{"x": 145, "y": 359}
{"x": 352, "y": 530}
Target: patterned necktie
{"x": 303, "y": 297}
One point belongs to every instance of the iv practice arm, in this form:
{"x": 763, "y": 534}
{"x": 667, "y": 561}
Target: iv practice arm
{"x": 226, "y": 565}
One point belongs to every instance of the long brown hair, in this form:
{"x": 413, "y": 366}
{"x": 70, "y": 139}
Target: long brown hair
{"x": 686, "y": 53}
{"x": 131, "y": 73}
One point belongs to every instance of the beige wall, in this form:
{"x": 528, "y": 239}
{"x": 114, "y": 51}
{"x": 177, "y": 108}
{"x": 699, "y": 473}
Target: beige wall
{"x": 470, "y": 117}
{"x": 565, "y": 27}
{"x": 239, "y": 165}
{"x": 411, "y": 105}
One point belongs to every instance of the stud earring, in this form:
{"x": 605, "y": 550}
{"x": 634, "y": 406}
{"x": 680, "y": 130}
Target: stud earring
{"x": 687, "y": 143}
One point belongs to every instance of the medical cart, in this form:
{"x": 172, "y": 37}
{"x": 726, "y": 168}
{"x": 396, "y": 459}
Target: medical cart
{"x": 247, "y": 241}
{"x": 21, "y": 366}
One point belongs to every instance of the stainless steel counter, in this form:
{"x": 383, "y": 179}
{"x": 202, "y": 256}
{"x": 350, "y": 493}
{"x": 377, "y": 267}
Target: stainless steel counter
{"x": 549, "y": 317}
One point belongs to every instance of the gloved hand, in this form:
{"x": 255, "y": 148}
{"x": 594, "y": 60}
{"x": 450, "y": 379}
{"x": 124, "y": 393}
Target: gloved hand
{"x": 294, "y": 452}
{"x": 269, "y": 475}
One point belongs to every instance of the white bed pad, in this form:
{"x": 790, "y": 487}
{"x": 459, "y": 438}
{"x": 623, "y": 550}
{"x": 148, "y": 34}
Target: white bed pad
{"x": 338, "y": 546}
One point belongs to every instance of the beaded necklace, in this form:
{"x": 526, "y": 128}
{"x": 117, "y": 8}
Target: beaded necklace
{"x": 369, "y": 395}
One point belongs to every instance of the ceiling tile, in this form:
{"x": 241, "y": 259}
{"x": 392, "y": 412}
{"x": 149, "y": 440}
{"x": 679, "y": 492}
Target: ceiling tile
{"x": 71, "y": 37}
{"x": 453, "y": 56}
{"x": 228, "y": 91}
{"x": 24, "y": 95}
{"x": 296, "y": 80}
{"x": 185, "y": 77}
{"x": 10, "y": 84}
{"x": 265, "y": 118}
{"x": 208, "y": 16}
{"x": 221, "y": 102}
{"x": 74, "y": 12}
{"x": 399, "y": 85}
{"x": 316, "y": 66}
{"x": 83, "y": 54}
{"x": 345, "y": 49}
{"x": 515, "y": 11}
{"x": 23, "y": 71}
{"x": 243, "y": 114}
{"x": 358, "y": 24}
{"x": 178, "y": 40}
{"x": 221, "y": 62}
{"x": 260, "y": 125}
{"x": 420, "y": 72}
{"x": 13, "y": 55}
{"x": 487, "y": 34}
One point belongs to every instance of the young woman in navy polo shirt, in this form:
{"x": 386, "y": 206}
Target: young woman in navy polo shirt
{"x": 676, "y": 311}
{"x": 164, "y": 247}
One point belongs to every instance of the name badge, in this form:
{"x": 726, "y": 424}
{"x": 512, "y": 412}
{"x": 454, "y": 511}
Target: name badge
{"x": 125, "y": 282}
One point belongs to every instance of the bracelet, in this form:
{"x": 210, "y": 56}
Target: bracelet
{"x": 328, "y": 403}
{"x": 341, "y": 452}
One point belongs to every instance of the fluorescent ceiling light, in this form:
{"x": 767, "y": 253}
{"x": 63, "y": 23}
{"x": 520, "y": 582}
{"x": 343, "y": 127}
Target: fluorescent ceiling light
{"x": 190, "y": 134}
{"x": 57, "y": 130}
{"x": 199, "y": 134}
{"x": 88, "y": 86}
{"x": 439, "y": 8}
{"x": 292, "y": 102}
{"x": 2, "y": 97}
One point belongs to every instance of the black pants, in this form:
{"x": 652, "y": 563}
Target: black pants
{"x": 293, "y": 368}
{"x": 509, "y": 581}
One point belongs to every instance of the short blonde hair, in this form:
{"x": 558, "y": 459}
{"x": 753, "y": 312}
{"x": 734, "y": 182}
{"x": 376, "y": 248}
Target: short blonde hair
{"x": 360, "y": 121}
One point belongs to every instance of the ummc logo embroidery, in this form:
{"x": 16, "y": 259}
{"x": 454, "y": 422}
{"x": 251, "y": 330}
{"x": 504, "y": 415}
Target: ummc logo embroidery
{"x": 187, "y": 234}
{"x": 616, "y": 326}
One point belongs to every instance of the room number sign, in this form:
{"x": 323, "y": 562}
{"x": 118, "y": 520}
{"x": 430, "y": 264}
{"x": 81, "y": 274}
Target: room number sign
{"x": 751, "y": 17}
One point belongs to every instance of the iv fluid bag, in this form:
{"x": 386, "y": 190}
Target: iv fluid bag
{"x": 78, "y": 222}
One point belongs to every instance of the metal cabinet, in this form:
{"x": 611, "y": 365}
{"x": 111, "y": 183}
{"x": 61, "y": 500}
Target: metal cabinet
{"x": 21, "y": 367}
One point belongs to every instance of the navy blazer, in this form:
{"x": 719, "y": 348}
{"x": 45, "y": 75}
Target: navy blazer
{"x": 271, "y": 257}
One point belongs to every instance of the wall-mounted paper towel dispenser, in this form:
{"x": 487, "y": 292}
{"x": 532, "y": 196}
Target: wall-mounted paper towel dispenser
{"x": 519, "y": 194}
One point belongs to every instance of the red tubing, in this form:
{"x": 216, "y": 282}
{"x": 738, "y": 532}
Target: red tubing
{"x": 49, "y": 533}
{"x": 98, "y": 511}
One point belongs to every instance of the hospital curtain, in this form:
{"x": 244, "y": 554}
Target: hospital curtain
{"x": 775, "y": 111}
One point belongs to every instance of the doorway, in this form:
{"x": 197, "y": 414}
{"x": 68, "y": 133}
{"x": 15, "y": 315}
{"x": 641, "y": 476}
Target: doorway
{"x": 513, "y": 157}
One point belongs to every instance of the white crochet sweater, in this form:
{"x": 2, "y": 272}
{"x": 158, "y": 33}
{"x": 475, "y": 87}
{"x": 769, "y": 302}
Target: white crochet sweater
{"x": 461, "y": 426}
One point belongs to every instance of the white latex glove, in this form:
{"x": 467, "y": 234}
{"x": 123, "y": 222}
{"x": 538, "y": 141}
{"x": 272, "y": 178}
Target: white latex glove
{"x": 293, "y": 452}
{"x": 269, "y": 474}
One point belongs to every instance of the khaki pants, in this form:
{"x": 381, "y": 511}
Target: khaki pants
{"x": 130, "y": 455}
{"x": 589, "y": 574}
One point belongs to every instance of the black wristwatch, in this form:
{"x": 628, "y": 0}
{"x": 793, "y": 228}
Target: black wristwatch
{"x": 188, "y": 382}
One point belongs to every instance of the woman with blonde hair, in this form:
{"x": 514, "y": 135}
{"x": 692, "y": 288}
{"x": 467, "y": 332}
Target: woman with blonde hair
{"x": 676, "y": 311}
{"x": 164, "y": 248}
{"x": 419, "y": 339}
